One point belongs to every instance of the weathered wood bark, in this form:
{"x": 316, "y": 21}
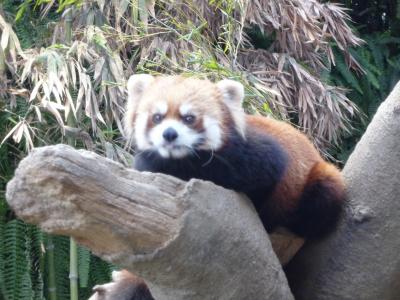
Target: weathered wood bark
{"x": 190, "y": 240}
{"x": 362, "y": 259}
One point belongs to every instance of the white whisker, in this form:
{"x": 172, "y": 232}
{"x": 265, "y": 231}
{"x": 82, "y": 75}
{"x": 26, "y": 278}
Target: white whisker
{"x": 210, "y": 159}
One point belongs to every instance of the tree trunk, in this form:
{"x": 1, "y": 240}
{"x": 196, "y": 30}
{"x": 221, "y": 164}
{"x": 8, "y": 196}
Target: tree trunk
{"x": 188, "y": 240}
{"x": 361, "y": 259}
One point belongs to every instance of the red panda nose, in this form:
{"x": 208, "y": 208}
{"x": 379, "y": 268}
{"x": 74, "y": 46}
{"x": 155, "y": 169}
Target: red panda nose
{"x": 170, "y": 134}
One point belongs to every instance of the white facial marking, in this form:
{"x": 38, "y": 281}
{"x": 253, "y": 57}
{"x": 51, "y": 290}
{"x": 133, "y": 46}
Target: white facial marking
{"x": 185, "y": 109}
{"x": 161, "y": 108}
{"x": 213, "y": 133}
{"x": 178, "y": 148}
{"x": 163, "y": 152}
{"x": 136, "y": 86}
{"x": 140, "y": 131}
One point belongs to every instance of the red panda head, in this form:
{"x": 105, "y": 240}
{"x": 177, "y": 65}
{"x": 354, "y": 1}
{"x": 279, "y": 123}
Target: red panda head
{"x": 177, "y": 116}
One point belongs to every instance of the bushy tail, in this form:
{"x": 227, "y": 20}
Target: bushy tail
{"x": 321, "y": 202}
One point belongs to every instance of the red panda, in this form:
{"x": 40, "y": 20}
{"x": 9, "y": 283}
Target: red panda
{"x": 192, "y": 128}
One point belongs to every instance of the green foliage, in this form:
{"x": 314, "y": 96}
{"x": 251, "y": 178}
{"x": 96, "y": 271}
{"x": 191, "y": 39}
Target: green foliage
{"x": 15, "y": 261}
{"x": 3, "y": 210}
{"x": 380, "y": 59}
{"x": 21, "y": 255}
{"x": 31, "y": 28}
{"x": 28, "y": 6}
{"x": 347, "y": 77}
{"x": 61, "y": 262}
{"x": 36, "y": 261}
{"x": 84, "y": 258}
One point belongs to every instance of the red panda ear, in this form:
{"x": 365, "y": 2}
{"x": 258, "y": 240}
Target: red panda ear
{"x": 232, "y": 91}
{"x": 233, "y": 94}
{"x": 136, "y": 85}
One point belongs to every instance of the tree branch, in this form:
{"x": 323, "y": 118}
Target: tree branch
{"x": 188, "y": 240}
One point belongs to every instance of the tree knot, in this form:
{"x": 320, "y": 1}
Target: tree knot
{"x": 362, "y": 213}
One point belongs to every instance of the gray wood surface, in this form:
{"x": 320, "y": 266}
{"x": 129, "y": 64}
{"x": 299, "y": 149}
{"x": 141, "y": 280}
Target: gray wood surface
{"x": 188, "y": 240}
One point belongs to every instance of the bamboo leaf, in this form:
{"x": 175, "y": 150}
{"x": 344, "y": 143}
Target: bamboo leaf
{"x": 347, "y": 75}
{"x": 17, "y": 136}
{"x": 28, "y": 138}
{"x": 35, "y": 90}
{"x": 51, "y": 107}
{"x": 5, "y": 36}
{"x": 12, "y": 131}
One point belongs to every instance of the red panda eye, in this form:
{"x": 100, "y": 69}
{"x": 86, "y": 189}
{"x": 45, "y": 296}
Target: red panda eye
{"x": 188, "y": 119}
{"x": 157, "y": 118}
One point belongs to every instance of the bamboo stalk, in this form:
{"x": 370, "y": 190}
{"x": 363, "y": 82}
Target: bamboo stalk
{"x": 52, "y": 288}
{"x": 68, "y": 27}
{"x": 73, "y": 250}
{"x": 73, "y": 269}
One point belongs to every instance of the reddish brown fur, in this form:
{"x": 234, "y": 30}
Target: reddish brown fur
{"x": 302, "y": 157}
{"x": 324, "y": 171}
{"x": 173, "y": 110}
{"x": 306, "y": 170}
{"x": 304, "y": 166}
{"x": 207, "y": 100}
{"x": 176, "y": 90}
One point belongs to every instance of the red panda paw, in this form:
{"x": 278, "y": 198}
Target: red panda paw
{"x": 125, "y": 286}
